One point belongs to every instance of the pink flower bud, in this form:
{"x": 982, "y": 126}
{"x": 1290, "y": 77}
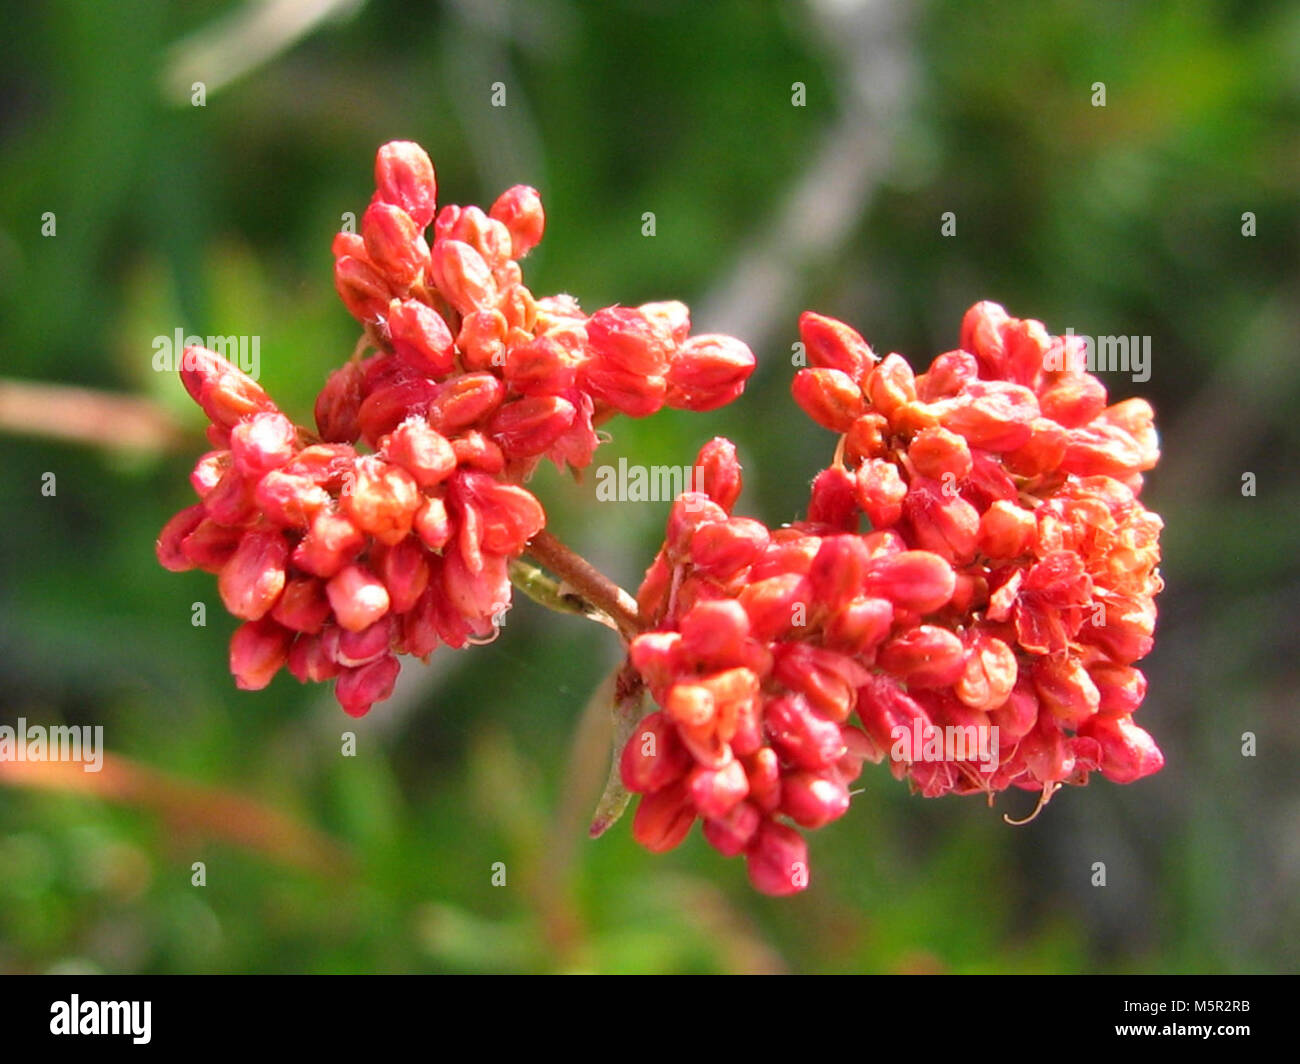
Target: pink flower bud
{"x": 357, "y": 597}
{"x": 777, "y": 860}
{"x": 465, "y": 400}
{"x": 717, "y": 791}
{"x": 812, "y": 800}
{"x": 231, "y": 501}
{"x": 892, "y": 387}
{"x": 831, "y": 398}
{"x": 358, "y": 689}
{"x": 404, "y": 571}
{"x": 476, "y": 595}
{"x": 1016, "y": 717}
{"x": 339, "y": 403}
{"x": 981, "y": 334}
{"x": 801, "y": 736}
{"x": 653, "y": 756}
{"x": 473, "y": 450}
{"x": 544, "y": 366}
{"x": 257, "y": 650}
{"x": 288, "y": 500}
{"x": 859, "y": 626}
{"x": 364, "y": 290}
{"x": 831, "y": 344}
{"x": 262, "y": 442}
{"x": 947, "y": 376}
{"x": 1065, "y": 688}
{"x": 832, "y": 502}
{"x": 1006, "y": 530}
{"x": 989, "y": 673}
{"x": 309, "y": 662}
{"x": 302, "y": 606}
{"x": 421, "y": 450}
{"x": 880, "y": 491}
{"x": 530, "y": 425}
{"x": 519, "y": 209}
{"x": 1127, "y": 752}
{"x": 168, "y": 547}
{"x": 353, "y": 649}
{"x": 707, "y": 372}
{"x": 829, "y": 680}
{"x": 404, "y": 177}
{"x": 937, "y": 453}
{"x": 381, "y": 500}
{"x": 394, "y": 244}
{"x": 211, "y": 545}
{"x": 330, "y": 543}
{"x": 462, "y": 276}
{"x": 712, "y": 633}
{"x": 775, "y": 605}
{"x": 432, "y": 524}
{"x": 482, "y": 340}
{"x": 941, "y": 521}
{"x": 837, "y": 570}
{"x": 914, "y": 580}
{"x": 1121, "y": 688}
{"x": 420, "y": 337}
{"x": 391, "y": 402}
{"x": 925, "y": 656}
{"x": 253, "y": 578}
{"x": 993, "y": 415}
{"x": 723, "y": 548}
{"x": 719, "y": 472}
{"x": 731, "y": 834}
{"x": 663, "y": 819}
{"x": 226, "y": 394}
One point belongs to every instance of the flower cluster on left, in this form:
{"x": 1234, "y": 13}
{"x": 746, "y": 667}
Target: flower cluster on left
{"x": 390, "y": 529}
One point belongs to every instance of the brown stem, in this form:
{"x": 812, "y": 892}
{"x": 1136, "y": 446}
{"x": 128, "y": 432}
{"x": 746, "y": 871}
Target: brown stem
{"x": 588, "y": 581}
{"x": 83, "y": 415}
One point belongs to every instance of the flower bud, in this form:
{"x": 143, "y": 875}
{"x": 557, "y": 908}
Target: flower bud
{"x": 831, "y": 398}
{"x": 1127, "y": 752}
{"x": 420, "y": 337}
{"x": 879, "y": 491}
{"x": 1065, "y": 688}
{"x": 364, "y": 290}
{"x": 1006, "y": 530}
{"x": 989, "y": 673}
{"x": 827, "y": 679}
{"x": 937, "y": 453}
{"x": 719, "y": 472}
{"x": 404, "y": 177}
{"x": 947, "y": 376}
{"x": 731, "y": 834}
{"x": 832, "y": 501}
{"x": 358, "y": 689}
{"x": 859, "y": 626}
{"x": 330, "y": 543}
{"x": 403, "y": 570}
{"x": 257, "y": 650}
{"x": 653, "y": 756}
{"x": 226, "y": 394}
{"x": 308, "y": 661}
{"x": 394, "y": 244}
{"x": 302, "y": 606}
{"x": 462, "y": 276}
{"x": 925, "y": 656}
{"x": 531, "y": 424}
{"x": 168, "y": 547}
{"x": 993, "y": 415}
{"x": 830, "y": 344}
{"x": 357, "y": 597}
{"x": 663, "y": 819}
{"x": 253, "y": 578}
{"x": 462, "y": 401}
{"x": 339, "y": 404}
{"x": 381, "y": 499}
{"x": 421, "y": 450}
{"x": 519, "y": 209}
{"x": 812, "y": 800}
{"x": 712, "y": 633}
{"x": 544, "y": 366}
{"x": 723, "y": 548}
{"x": 777, "y": 860}
{"x": 801, "y": 736}
{"x": 707, "y": 372}
{"x": 432, "y": 523}
{"x": 715, "y": 792}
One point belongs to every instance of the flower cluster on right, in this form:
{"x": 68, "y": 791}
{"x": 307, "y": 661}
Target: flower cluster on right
{"x": 1004, "y": 589}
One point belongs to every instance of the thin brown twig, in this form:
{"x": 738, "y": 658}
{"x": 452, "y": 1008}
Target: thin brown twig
{"x": 588, "y": 581}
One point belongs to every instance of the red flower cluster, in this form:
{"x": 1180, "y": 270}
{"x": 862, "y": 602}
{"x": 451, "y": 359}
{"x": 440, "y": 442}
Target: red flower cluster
{"x": 1002, "y": 595}
{"x": 340, "y": 559}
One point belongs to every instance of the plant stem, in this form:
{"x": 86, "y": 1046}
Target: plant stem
{"x": 587, "y": 581}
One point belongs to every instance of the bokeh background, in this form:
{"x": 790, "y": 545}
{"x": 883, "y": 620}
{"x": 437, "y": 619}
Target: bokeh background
{"x": 1123, "y": 219}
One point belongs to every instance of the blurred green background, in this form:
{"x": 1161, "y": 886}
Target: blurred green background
{"x": 1123, "y": 219}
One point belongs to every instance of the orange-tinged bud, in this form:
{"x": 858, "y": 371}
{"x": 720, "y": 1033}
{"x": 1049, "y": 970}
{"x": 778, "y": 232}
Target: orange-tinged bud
{"x": 462, "y": 276}
{"x": 462, "y": 401}
{"x": 519, "y": 209}
{"x": 989, "y": 673}
{"x": 830, "y": 344}
{"x": 433, "y": 524}
{"x": 420, "y": 337}
{"x": 719, "y": 472}
{"x": 364, "y": 290}
{"x": 938, "y": 454}
{"x": 1065, "y": 688}
{"x": 226, "y": 394}
{"x": 330, "y": 543}
{"x": 712, "y": 633}
{"x": 381, "y": 499}
{"x": 357, "y": 596}
{"x": 948, "y": 374}
{"x": 879, "y": 491}
{"x": 404, "y": 177}
{"x": 867, "y": 438}
{"x": 257, "y": 650}
{"x": 859, "y": 626}
{"x": 421, "y": 450}
{"x": 530, "y": 425}
{"x": 394, "y": 244}
{"x": 708, "y": 371}
{"x": 1006, "y": 530}
{"x": 828, "y": 396}
{"x": 892, "y": 386}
